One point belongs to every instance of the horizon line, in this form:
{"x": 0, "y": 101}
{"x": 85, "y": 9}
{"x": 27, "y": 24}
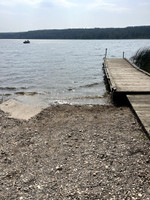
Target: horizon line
{"x": 75, "y": 28}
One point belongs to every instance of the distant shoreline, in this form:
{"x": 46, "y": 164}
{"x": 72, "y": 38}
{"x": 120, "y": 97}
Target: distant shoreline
{"x": 135, "y": 32}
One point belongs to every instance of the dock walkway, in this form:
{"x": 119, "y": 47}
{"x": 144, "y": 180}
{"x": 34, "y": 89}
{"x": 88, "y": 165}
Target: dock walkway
{"x": 126, "y": 79}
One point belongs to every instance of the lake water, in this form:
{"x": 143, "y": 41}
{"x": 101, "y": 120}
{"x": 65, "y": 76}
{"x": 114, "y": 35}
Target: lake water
{"x": 46, "y": 72}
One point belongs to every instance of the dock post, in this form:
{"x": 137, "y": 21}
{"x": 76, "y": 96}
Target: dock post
{"x": 123, "y": 54}
{"x": 105, "y": 52}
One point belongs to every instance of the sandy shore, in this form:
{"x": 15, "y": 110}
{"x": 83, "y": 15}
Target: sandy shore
{"x": 19, "y": 111}
{"x": 74, "y": 152}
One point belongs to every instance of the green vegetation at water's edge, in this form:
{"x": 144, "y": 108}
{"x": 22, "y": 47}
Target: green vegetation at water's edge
{"x": 142, "y": 59}
{"x": 137, "y": 32}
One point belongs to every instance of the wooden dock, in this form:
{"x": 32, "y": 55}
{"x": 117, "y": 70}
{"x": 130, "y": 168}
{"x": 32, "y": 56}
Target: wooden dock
{"x": 125, "y": 79}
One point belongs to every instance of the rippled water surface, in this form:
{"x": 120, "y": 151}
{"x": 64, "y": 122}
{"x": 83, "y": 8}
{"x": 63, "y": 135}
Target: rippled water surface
{"x": 58, "y": 71}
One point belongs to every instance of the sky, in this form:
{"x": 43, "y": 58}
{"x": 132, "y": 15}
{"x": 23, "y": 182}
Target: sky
{"x": 24, "y": 15}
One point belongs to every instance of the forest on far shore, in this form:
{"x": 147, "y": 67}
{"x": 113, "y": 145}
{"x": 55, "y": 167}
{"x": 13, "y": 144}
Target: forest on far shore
{"x": 135, "y": 32}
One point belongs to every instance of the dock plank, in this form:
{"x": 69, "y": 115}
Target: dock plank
{"x": 141, "y": 106}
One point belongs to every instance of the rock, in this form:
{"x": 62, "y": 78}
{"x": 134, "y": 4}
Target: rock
{"x": 140, "y": 195}
{"x": 59, "y": 168}
{"x": 148, "y": 190}
{"x": 69, "y": 135}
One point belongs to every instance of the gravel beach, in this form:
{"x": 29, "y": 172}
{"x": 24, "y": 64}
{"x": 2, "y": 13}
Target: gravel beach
{"x": 74, "y": 152}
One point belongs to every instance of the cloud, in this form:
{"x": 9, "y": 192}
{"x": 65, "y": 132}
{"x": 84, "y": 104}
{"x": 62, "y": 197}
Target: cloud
{"x": 144, "y": 3}
{"x": 64, "y": 3}
{"x": 108, "y": 6}
{"x": 56, "y": 3}
{"x": 15, "y": 2}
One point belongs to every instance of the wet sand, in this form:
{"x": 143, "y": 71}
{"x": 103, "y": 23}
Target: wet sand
{"x": 74, "y": 152}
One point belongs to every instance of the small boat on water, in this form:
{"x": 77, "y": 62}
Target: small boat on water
{"x": 26, "y": 42}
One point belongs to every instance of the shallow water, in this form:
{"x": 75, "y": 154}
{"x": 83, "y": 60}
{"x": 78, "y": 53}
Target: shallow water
{"x": 45, "y": 72}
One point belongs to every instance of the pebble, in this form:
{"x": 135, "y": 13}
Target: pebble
{"x": 69, "y": 135}
{"x": 140, "y": 195}
{"x": 95, "y": 173}
{"x": 148, "y": 190}
{"x": 39, "y": 187}
{"x": 59, "y": 168}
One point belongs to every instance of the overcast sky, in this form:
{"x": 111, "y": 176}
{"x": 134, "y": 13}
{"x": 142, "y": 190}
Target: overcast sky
{"x": 24, "y": 15}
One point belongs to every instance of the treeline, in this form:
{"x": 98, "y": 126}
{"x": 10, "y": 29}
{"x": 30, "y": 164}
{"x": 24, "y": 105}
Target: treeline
{"x": 137, "y": 32}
